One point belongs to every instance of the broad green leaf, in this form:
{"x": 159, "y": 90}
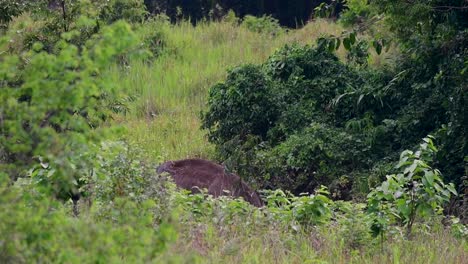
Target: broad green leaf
{"x": 424, "y": 209}
{"x": 429, "y": 177}
{"x": 411, "y": 168}
{"x": 438, "y": 187}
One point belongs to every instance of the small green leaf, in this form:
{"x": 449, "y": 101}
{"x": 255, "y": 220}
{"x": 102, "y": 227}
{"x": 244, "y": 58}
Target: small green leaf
{"x": 377, "y": 46}
{"x": 347, "y": 43}
{"x": 451, "y": 188}
{"x": 352, "y": 38}
{"x": 331, "y": 46}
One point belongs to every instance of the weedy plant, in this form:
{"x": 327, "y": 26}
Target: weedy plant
{"x": 417, "y": 192}
{"x": 300, "y": 211}
{"x": 353, "y": 224}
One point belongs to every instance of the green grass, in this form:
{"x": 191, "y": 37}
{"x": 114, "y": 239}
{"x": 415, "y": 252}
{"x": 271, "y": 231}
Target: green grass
{"x": 172, "y": 91}
{"x": 240, "y": 244}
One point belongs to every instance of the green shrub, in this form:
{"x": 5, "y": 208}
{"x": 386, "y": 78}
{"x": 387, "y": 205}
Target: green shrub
{"x": 242, "y": 106}
{"x": 307, "y": 80}
{"x": 12, "y": 8}
{"x": 316, "y": 155}
{"x": 132, "y": 11}
{"x": 121, "y": 172}
{"x": 46, "y": 24}
{"x": 258, "y": 132}
{"x": 302, "y": 211}
{"x": 154, "y": 36}
{"x": 23, "y": 31}
{"x": 357, "y": 12}
{"x": 294, "y": 87}
{"x": 47, "y": 21}
{"x": 231, "y": 18}
{"x": 264, "y": 24}
{"x": 35, "y": 228}
{"x": 432, "y": 85}
{"x": 51, "y": 106}
{"x": 418, "y": 191}
{"x": 265, "y": 120}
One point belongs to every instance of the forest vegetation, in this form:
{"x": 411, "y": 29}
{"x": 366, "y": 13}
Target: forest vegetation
{"x": 348, "y": 117}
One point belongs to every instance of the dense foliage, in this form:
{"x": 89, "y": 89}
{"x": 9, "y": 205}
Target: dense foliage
{"x": 293, "y": 125}
{"x": 51, "y": 105}
{"x": 434, "y": 40}
{"x": 367, "y": 116}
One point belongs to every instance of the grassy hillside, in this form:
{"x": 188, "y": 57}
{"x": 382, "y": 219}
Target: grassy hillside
{"x": 172, "y": 90}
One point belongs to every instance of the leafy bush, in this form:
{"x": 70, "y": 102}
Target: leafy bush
{"x": 121, "y": 172}
{"x": 231, "y": 18}
{"x": 264, "y": 24}
{"x": 35, "y": 228}
{"x": 356, "y": 12}
{"x": 52, "y": 105}
{"x": 153, "y": 35}
{"x": 432, "y": 87}
{"x": 133, "y": 11}
{"x": 417, "y": 191}
{"x": 44, "y": 22}
{"x": 305, "y": 210}
{"x": 283, "y": 209}
{"x": 265, "y": 120}
{"x": 23, "y": 31}
{"x": 12, "y": 8}
{"x": 244, "y": 102}
{"x": 382, "y": 112}
{"x": 458, "y": 229}
{"x": 47, "y": 20}
{"x": 316, "y": 155}
{"x": 301, "y": 81}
